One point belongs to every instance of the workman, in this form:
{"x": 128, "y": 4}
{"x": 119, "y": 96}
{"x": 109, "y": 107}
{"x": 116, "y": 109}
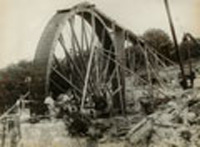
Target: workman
{"x": 50, "y": 103}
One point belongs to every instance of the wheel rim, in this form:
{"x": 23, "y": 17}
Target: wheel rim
{"x": 75, "y": 52}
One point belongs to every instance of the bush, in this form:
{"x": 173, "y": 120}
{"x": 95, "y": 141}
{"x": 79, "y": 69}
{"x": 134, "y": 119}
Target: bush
{"x": 160, "y": 41}
{"x": 13, "y": 83}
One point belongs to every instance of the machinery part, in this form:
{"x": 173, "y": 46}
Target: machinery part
{"x": 74, "y": 53}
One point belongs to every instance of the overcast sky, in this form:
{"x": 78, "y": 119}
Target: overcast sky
{"x": 22, "y": 21}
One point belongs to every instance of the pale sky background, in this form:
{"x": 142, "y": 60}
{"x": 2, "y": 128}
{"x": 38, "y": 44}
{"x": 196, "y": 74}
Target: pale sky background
{"x": 22, "y": 21}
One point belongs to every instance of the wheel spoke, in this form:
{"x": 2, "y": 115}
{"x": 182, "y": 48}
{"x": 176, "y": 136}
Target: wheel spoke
{"x": 75, "y": 38}
{"x": 98, "y": 59}
{"x": 59, "y": 66}
{"x": 85, "y": 30}
{"x": 67, "y": 80}
{"x": 68, "y": 56}
{"x": 82, "y": 31}
{"x": 97, "y": 66}
{"x": 108, "y": 62}
{"x": 91, "y": 87}
{"x": 92, "y": 84}
{"x": 57, "y": 85}
{"x": 92, "y": 33}
{"x": 87, "y": 78}
{"x": 82, "y": 61}
{"x": 111, "y": 76}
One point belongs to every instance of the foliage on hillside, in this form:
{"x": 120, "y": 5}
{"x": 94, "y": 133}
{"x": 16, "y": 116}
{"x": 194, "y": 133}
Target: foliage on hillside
{"x": 160, "y": 41}
{"x": 13, "y": 83}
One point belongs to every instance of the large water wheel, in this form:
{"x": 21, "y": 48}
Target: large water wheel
{"x": 78, "y": 51}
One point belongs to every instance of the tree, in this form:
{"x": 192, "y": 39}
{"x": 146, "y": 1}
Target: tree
{"x": 13, "y": 84}
{"x": 160, "y": 41}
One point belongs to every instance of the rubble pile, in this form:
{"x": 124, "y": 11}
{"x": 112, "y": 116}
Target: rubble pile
{"x": 175, "y": 123}
{"x": 168, "y": 118}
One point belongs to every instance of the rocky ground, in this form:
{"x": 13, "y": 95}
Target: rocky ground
{"x": 169, "y": 119}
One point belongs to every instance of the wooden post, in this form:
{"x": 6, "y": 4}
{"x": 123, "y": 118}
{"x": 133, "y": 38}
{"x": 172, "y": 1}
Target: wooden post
{"x": 87, "y": 78}
{"x": 175, "y": 41}
{"x": 120, "y": 56}
{"x": 3, "y": 139}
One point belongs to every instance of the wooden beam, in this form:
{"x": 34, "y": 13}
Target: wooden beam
{"x": 175, "y": 42}
{"x": 120, "y": 54}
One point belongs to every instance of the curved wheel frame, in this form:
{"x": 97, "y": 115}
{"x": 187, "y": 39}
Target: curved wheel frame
{"x": 45, "y": 51}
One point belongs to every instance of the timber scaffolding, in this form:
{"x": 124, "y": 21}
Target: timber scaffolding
{"x": 10, "y": 123}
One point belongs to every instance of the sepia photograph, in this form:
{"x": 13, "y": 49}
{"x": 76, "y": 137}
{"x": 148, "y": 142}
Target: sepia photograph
{"x": 100, "y": 73}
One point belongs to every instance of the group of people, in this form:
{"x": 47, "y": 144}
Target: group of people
{"x": 66, "y": 106}
{"x": 67, "y": 103}
{"x": 64, "y": 103}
